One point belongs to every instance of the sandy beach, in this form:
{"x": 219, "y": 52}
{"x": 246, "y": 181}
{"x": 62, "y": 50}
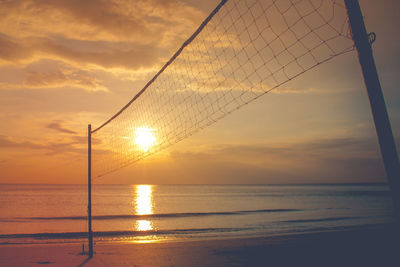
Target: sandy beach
{"x": 367, "y": 246}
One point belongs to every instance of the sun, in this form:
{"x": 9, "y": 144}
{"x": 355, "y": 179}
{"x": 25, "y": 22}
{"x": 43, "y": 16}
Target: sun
{"x": 144, "y": 138}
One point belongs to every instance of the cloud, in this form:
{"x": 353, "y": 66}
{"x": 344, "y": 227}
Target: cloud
{"x": 57, "y": 125}
{"x": 320, "y": 161}
{"x": 53, "y": 74}
{"x": 49, "y": 147}
{"x": 62, "y": 78}
{"x": 299, "y": 90}
{"x": 104, "y": 55}
{"x": 12, "y": 50}
{"x": 336, "y": 160}
{"x": 320, "y": 149}
{"x": 7, "y": 142}
{"x": 142, "y": 21}
{"x": 107, "y": 34}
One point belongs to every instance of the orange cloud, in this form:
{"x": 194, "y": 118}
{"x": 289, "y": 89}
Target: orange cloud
{"x": 139, "y": 21}
{"x": 71, "y": 146}
{"x": 28, "y": 50}
{"x": 57, "y": 125}
{"x": 62, "y": 79}
{"x": 120, "y": 34}
{"x": 58, "y": 77}
{"x": 12, "y": 51}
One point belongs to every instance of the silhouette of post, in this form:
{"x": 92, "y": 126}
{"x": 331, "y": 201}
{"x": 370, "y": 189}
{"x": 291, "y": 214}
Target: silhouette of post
{"x": 378, "y": 107}
{"x": 90, "y": 233}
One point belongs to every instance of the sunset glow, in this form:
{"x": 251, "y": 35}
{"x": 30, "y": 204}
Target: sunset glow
{"x": 144, "y": 138}
{"x": 226, "y": 132}
{"x": 64, "y": 66}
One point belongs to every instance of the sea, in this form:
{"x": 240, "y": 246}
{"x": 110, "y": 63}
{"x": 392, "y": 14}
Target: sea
{"x": 37, "y": 214}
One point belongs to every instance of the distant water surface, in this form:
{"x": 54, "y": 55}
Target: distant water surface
{"x": 148, "y": 213}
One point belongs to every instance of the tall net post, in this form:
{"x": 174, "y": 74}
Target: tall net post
{"x": 376, "y": 99}
{"x": 90, "y": 233}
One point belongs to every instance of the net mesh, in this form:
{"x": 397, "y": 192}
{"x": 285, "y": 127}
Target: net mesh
{"x": 243, "y": 50}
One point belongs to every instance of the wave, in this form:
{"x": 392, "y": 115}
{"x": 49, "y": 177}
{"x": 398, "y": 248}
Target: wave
{"x": 77, "y": 235}
{"x": 160, "y": 215}
{"x": 326, "y": 219}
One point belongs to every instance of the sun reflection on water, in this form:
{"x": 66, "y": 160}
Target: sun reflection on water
{"x": 143, "y": 225}
{"x": 143, "y": 206}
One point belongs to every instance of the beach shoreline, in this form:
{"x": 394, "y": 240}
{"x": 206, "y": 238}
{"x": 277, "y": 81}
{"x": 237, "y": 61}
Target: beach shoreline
{"x": 364, "y": 246}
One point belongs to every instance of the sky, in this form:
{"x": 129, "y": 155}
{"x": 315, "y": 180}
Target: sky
{"x": 66, "y": 63}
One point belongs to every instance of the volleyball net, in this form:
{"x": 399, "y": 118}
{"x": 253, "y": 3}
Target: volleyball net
{"x": 241, "y": 51}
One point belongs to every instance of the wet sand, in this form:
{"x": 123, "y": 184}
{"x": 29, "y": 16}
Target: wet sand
{"x": 367, "y": 246}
